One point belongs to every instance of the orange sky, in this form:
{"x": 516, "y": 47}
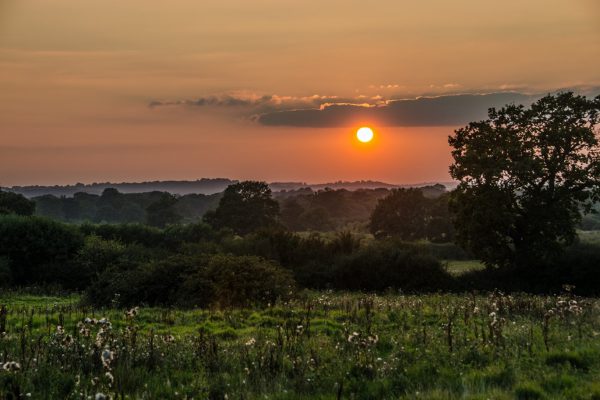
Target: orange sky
{"x": 77, "y": 78}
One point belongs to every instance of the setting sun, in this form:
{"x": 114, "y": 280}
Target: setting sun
{"x": 364, "y": 134}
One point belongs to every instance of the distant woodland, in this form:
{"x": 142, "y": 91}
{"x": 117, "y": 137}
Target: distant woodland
{"x": 301, "y": 209}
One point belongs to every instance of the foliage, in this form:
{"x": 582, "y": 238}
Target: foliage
{"x": 577, "y": 266}
{"x": 382, "y": 266}
{"x": 115, "y": 207}
{"x": 247, "y": 280}
{"x": 162, "y": 212}
{"x": 245, "y": 207}
{"x": 126, "y": 233}
{"x": 525, "y": 175}
{"x": 94, "y": 257}
{"x": 38, "y": 249}
{"x": 13, "y": 203}
{"x": 409, "y": 215}
{"x": 199, "y": 281}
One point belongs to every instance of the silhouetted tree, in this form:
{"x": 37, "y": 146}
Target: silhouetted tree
{"x": 244, "y": 208}
{"x": 291, "y": 212}
{"x": 14, "y": 203}
{"x": 525, "y": 175}
{"x": 403, "y": 213}
{"x": 162, "y": 212}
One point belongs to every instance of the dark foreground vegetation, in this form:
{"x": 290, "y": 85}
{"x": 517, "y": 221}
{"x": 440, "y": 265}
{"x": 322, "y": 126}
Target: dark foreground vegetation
{"x": 194, "y": 265}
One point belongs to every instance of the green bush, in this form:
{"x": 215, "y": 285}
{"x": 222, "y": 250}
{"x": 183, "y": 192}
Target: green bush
{"x": 578, "y": 265}
{"x": 384, "y": 265}
{"x": 131, "y": 282}
{"x": 38, "y": 250}
{"x": 247, "y": 280}
{"x": 126, "y": 233}
{"x": 192, "y": 281}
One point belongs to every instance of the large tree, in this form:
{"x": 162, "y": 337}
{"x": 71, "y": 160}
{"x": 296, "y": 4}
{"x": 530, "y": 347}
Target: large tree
{"x": 162, "y": 212}
{"x": 409, "y": 215}
{"x": 244, "y": 208}
{"x": 14, "y": 203}
{"x": 526, "y": 176}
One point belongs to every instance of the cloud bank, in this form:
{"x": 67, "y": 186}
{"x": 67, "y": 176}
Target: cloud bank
{"x": 320, "y": 111}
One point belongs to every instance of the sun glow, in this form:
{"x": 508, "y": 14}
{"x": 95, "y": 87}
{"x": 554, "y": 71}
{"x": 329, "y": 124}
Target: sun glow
{"x": 364, "y": 134}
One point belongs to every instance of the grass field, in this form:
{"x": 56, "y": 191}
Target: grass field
{"x": 325, "y": 346}
{"x": 458, "y": 267}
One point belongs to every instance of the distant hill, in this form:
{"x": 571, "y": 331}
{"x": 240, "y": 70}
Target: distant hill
{"x": 201, "y": 186}
{"x": 204, "y": 186}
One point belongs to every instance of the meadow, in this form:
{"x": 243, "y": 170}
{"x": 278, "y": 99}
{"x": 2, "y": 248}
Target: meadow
{"x": 321, "y": 345}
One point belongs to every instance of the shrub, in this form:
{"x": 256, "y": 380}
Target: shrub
{"x": 134, "y": 283}
{"x": 38, "y": 249}
{"x": 577, "y": 266}
{"x": 384, "y": 265}
{"x": 14, "y": 203}
{"x": 247, "y": 280}
{"x": 218, "y": 280}
{"x": 126, "y": 233}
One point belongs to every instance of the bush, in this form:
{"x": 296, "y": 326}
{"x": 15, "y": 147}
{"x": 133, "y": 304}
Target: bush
{"x": 200, "y": 281}
{"x": 577, "y": 266}
{"x": 126, "y": 233}
{"x": 14, "y": 203}
{"x": 95, "y": 256}
{"x": 384, "y": 265}
{"x": 247, "y": 280}
{"x": 131, "y": 283}
{"x": 38, "y": 250}
{"x": 176, "y": 235}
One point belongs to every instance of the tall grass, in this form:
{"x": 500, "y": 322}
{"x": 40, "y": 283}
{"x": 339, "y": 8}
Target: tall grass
{"x": 321, "y": 345}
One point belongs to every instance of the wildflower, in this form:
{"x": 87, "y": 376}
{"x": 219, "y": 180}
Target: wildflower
{"x": 251, "y": 342}
{"x": 100, "y": 396}
{"x": 11, "y": 366}
{"x": 169, "y": 338}
{"x": 352, "y": 336}
{"x": 106, "y": 357}
{"x": 110, "y": 377}
{"x": 132, "y": 313}
{"x": 60, "y": 330}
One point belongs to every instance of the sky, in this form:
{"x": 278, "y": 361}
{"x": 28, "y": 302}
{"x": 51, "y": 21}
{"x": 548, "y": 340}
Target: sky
{"x": 136, "y": 90}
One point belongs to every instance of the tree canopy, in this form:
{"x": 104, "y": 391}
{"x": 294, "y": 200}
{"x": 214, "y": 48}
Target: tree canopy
{"x": 245, "y": 207}
{"x": 13, "y": 203}
{"x": 526, "y": 176}
{"x": 409, "y": 215}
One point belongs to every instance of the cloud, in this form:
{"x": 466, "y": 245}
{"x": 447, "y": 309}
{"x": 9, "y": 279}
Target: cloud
{"x": 333, "y": 111}
{"x": 251, "y": 100}
{"x": 422, "y": 111}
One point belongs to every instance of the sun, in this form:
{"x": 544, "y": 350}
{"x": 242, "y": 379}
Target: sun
{"x": 364, "y": 134}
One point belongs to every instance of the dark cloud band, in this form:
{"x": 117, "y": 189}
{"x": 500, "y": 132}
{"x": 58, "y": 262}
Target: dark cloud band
{"x": 424, "y": 111}
{"x": 330, "y": 111}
